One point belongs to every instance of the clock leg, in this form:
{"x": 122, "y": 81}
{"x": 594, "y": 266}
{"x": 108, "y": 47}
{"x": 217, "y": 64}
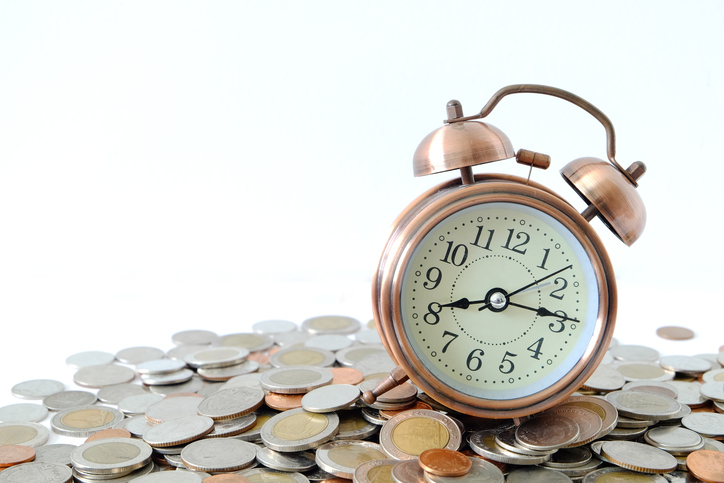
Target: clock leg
{"x": 397, "y": 376}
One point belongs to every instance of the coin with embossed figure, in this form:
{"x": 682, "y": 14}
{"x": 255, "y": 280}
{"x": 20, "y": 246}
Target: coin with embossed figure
{"x": 83, "y": 421}
{"x": 644, "y": 405}
{"x": 37, "y": 472}
{"x": 36, "y": 388}
{"x": 299, "y": 430}
{"x": 178, "y": 431}
{"x": 69, "y": 399}
{"x": 547, "y": 432}
{"x": 112, "y": 456}
{"x": 588, "y": 421}
{"x": 408, "y": 434}
{"x": 330, "y": 398}
{"x": 341, "y": 458}
{"x": 231, "y": 403}
{"x": 638, "y": 457}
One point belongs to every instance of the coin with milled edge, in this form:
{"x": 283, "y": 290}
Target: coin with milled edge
{"x": 295, "y": 379}
{"x": 302, "y": 356}
{"x": 231, "y": 403}
{"x": 622, "y": 475}
{"x": 218, "y": 455}
{"x": 445, "y": 462}
{"x": 102, "y": 376}
{"x": 83, "y": 421}
{"x": 408, "y": 434}
{"x": 480, "y": 471}
{"x": 638, "y": 457}
{"x": 299, "y": 430}
{"x": 214, "y": 357}
{"x": 69, "y": 399}
{"x": 23, "y": 412}
{"x": 283, "y": 402}
{"x": 36, "y": 388}
{"x": 330, "y": 398}
{"x": 685, "y": 364}
{"x": 226, "y": 373}
{"x": 341, "y": 458}
{"x": 37, "y": 472}
{"x": 374, "y": 471}
{"x": 675, "y": 440}
{"x": 113, "y": 456}
{"x": 483, "y": 442}
{"x": 547, "y": 432}
{"x": 178, "y": 431}
{"x": 300, "y": 461}
{"x": 172, "y": 408}
{"x": 644, "y": 405}
{"x": 589, "y": 422}
{"x": 331, "y": 324}
{"x": 90, "y": 358}
{"x": 605, "y": 410}
{"x": 232, "y": 427}
{"x": 536, "y": 474}
{"x": 506, "y": 440}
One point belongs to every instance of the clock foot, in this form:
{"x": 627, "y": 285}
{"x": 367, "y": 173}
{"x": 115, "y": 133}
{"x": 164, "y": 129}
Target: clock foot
{"x": 397, "y": 376}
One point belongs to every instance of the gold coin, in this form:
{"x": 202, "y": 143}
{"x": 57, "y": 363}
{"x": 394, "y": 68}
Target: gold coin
{"x": 300, "y": 426}
{"x": 87, "y": 418}
{"x": 16, "y": 434}
{"x": 416, "y": 435}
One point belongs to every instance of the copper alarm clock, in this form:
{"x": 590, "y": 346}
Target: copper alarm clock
{"x": 493, "y": 294}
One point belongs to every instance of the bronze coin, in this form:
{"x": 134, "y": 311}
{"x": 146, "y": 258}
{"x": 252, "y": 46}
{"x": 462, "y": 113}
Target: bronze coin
{"x": 707, "y": 465}
{"x": 109, "y": 433}
{"x": 14, "y": 454}
{"x": 673, "y": 332}
{"x": 445, "y": 462}
{"x": 346, "y": 375}
{"x": 227, "y": 478}
{"x": 283, "y": 402}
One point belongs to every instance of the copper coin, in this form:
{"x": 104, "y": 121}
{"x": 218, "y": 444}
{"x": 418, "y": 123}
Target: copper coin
{"x": 445, "y": 462}
{"x": 14, "y": 454}
{"x": 283, "y": 402}
{"x": 673, "y": 332}
{"x": 707, "y": 465}
{"x": 227, "y": 478}
{"x": 346, "y": 375}
{"x": 109, "y": 433}
{"x": 388, "y": 413}
{"x": 261, "y": 357}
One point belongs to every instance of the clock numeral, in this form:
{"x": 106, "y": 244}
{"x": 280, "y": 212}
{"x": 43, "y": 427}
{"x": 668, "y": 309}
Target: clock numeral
{"x": 474, "y": 362}
{"x": 511, "y": 367}
{"x": 545, "y": 259}
{"x": 433, "y": 309}
{"x": 454, "y": 336}
{"x": 521, "y": 235}
{"x": 434, "y": 276}
{"x": 560, "y": 321}
{"x": 477, "y": 238}
{"x": 554, "y": 293}
{"x": 455, "y": 256}
{"x": 535, "y": 348}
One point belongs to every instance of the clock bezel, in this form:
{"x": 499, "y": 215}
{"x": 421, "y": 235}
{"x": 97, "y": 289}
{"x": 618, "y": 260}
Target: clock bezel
{"x": 428, "y": 211}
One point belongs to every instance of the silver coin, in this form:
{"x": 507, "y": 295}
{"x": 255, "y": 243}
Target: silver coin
{"x": 298, "y": 379}
{"x": 268, "y": 475}
{"x": 352, "y": 425}
{"x": 330, "y": 342}
{"x": 675, "y": 440}
{"x": 84, "y": 421}
{"x": 408, "y": 471}
{"x": 231, "y": 403}
{"x": 289, "y": 339}
{"x": 102, "y": 376}
{"x": 638, "y": 456}
{"x": 136, "y": 355}
{"x": 69, "y": 399}
{"x": 605, "y": 379}
{"x": 299, "y": 430}
{"x": 331, "y": 324}
{"x": 90, "y": 358}
{"x": 630, "y": 423}
{"x": 137, "y": 425}
{"x": 111, "y": 456}
{"x": 715, "y": 375}
{"x": 643, "y": 371}
{"x": 588, "y": 421}
{"x": 330, "y": 398}
{"x": 685, "y": 364}
{"x": 124, "y": 478}
{"x": 247, "y": 340}
{"x": 171, "y": 477}
{"x": 368, "y": 336}
{"x": 372, "y": 416}
{"x": 377, "y": 363}
{"x": 569, "y": 457}
{"x": 180, "y": 352}
{"x": 172, "y": 408}
{"x": 706, "y": 424}
{"x": 178, "y": 431}
{"x": 160, "y": 366}
{"x": 194, "y": 384}
{"x": 245, "y": 380}
{"x": 506, "y": 440}
{"x": 26, "y": 412}
{"x": 217, "y": 357}
{"x": 226, "y": 373}
{"x": 232, "y": 427}
{"x": 547, "y": 432}
{"x": 713, "y": 445}
{"x": 273, "y": 327}
{"x": 36, "y": 388}
{"x": 409, "y": 433}
{"x": 536, "y": 474}
{"x": 23, "y": 434}
{"x": 37, "y": 472}
{"x": 381, "y": 471}
{"x": 137, "y": 405}
{"x": 689, "y": 393}
{"x": 54, "y": 453}
{"x": 643, "y": 405}
{"x": 194, "y": 337}
{"x": 483, "y": 443}
{"x": 337, "y": 457}
{"x": 115, "y": 393}
{"x": 601, "y": 474}
{"x": 665, "y": 388}
{"x": 713, "y": 391}
{"x": 634, "y": 353}
{"x": 167, "y": 379}
{"x": 300, "y": 461}
{"x": 302, "y": 356}
{"x": 218, "y": 455}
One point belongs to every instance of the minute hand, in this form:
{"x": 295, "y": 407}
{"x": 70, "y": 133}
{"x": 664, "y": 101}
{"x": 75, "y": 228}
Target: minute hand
{"x": 510, "y": 294}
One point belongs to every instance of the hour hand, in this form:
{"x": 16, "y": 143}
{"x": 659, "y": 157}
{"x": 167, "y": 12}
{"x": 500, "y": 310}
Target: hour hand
{"x": 463, "y": 303}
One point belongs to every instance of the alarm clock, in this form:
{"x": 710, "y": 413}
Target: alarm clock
{"x": 493, "y": 294}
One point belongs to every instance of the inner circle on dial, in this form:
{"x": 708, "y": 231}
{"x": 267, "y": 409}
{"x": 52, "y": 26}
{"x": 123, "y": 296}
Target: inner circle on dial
{"x": 498, "y": 323}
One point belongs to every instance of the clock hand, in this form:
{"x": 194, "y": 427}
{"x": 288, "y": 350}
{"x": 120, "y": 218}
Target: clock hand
{"x": 463, "y": 303}
{"x": 542, "y": 311}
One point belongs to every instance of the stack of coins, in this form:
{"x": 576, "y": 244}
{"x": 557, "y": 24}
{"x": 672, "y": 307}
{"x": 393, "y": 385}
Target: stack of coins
{"x": 282, "y": 404}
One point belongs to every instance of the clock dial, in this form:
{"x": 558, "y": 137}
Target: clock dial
{"x": 499, "y": 301}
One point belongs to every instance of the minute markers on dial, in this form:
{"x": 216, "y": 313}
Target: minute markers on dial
{"x": 532, "y": 284}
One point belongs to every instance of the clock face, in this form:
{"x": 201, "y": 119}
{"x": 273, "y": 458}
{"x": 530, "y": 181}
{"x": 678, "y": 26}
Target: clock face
{"x": 499, "y": 301}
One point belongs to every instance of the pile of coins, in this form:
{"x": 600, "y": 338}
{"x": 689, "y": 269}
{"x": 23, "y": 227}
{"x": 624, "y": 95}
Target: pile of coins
{"x": 283, "y": 404}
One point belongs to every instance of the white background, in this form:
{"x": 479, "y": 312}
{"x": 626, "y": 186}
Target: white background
{"x": 171, "y": 165}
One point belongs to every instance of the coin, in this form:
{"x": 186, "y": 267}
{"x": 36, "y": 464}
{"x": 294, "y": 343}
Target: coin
{"x": 706, "y": 424}
{"x": 283, "y": 402}
{"x": 23, "y": 433}
{"x": 480, "y": 471}
{"x": 231, "y": 403}
{"x": 247, "y": 340}
{"x": 715, "y": 375}
{"x": 216, "y": 357}
{"x": 689, "y": 393}
{"x": 341, "y": 458}
{"x": 36, "y": 472}
{"x": 569, "y": 457}
{"x": 346, "y": 375}
{"x": 644, "y": 371}
{"x": 137, "y": 355}
{"x": 407, "y": 471}
{"x": 685, "y": 364}
{"x": 299, "y": 461}
{"x": 218, "y": 455}
{"x": 374, "y": 471}
{"x": 135, "y": 405}
{"x": 273, "y": 327}
{"x": 675, "y": 440}
{"x": 331, "y": 324}
{"x": 295, "y": 379}
{"x": 547, "y": 432}
{"x": 305, "y": 356}
{"x": 36, "y": 388}
{"x": 160, "y": 366}
{"x": 54, "y": 453}
{"x": 643, "y": 405}
{"x": 330, "y": 398}
{"x": 299, "y": 430}
{"x": 83, "y": 421}
{"x": 109, "y": 433}
{"x": 506, "y": 440}
{"x": 445, "y": 462}
{"x": 172, "y": 408}
{"x": 350, "y": 356}
{"x": 706, "y": 465}
{"x": 408, "y": 434}
{"x": 102, "y": 376}
{"x": 176, "y": 477}
{"x": 484, "y": 443}
{"x": 638, "y": 457}
{"x": 113, "y": 394}
{"x": 90, "y": 358}
{"x": 226, "y": 373}
{"x": 616, "y": 474}
{"x": 632, "y": 352}
{"x": 232, "y": 427}
{"x": 178, "y": 431}
{"x": 113, "y": 456}
{"x": 589, "y": 422}
{"x": 605, "y": 410}
{"x": 14, "y": 454}
{"x": 388, "y": 413}
{"x": 673, "y": 332}
{"x": 266, "y": 475}
{"x": 665, "y": 388}
{"x": 24, "y": 412}
{"x": 536, "y": 474}
{"x": 713, "y": 390}
{"x": 353, "y": 426}
{"x": 604, "y": 379}
{"x": 68, "y": 399}
{"x": 166, "y": 379}
{"x": 194, "y": 337}
{"x": 330, "y": 342}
